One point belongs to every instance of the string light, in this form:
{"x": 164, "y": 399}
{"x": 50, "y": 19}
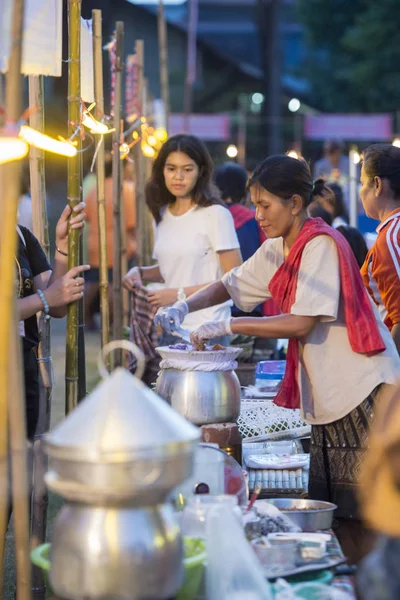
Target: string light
{"x": 94, "y": 126}
{"x": 148, "y": 151}
{"x": 396, "y": 142}
{"x": 293, "y": 154}
{"x": 12, "y": 148}
{"x": 44, "y": 142}
{"x": 152, "y": 140}
{"x": 232, "y": 151}
{"x": 161, "y": 134}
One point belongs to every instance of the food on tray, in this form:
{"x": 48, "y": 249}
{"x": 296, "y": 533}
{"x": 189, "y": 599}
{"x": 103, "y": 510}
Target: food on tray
{"x": 218, "y": 347}
{"x": 180, "y": 347}
{"x": 200, "y": 347}
{"x": 272, "y": 520}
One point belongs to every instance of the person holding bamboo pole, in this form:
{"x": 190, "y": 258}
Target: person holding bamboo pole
{"x": 41, "y": 288}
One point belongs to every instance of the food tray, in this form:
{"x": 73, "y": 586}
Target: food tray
{"x": 261, "y": 418}
{"x": 333, "y": 557}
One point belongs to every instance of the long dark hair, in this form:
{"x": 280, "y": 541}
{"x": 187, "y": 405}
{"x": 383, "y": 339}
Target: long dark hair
{"x": 339, "y": 208}
{"x": 204, "y": 193}
{"x": 383, "y": 160}
{"x": 284, "y": 177}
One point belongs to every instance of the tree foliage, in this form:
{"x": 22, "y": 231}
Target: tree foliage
{"x": 353, "y": 54}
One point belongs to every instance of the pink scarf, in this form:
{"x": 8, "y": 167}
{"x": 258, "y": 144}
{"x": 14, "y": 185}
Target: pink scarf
{"x": 363, "y": 331}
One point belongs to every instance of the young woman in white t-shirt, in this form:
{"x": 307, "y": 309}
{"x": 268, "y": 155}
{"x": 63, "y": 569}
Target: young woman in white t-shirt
{"x": 340, "y": 354}
{"x": 195, "y": 238}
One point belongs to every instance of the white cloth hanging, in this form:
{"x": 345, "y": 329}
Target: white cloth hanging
{"x": 42, "y": 37}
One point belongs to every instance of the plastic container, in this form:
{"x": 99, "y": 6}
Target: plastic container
{"x": 269, "y": 374}
{"x": 195, "y": 557}
{"x": 194, "y": 515}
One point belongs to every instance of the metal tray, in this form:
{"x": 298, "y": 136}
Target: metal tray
{"x": 333, "y": 557}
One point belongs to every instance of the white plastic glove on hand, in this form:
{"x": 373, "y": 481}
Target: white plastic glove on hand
{"x": 211, "y": 330}
{"x": 170, "y": 318}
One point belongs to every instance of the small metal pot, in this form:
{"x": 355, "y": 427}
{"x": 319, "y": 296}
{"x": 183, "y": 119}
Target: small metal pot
{"x": 312, "y": 515}
{"x": 101, "y": 553}
{"x": 201, "y": 397}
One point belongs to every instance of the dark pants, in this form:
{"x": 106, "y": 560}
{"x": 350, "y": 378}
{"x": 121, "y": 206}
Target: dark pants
{"x": 31, "y": 372}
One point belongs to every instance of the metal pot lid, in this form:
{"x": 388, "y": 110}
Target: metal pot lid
{"x": 122, "y": 418}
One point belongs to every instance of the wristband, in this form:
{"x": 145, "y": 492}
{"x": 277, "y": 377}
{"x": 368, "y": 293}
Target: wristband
{"x": 61, "y": 251}
{"x": 46, "y": 308}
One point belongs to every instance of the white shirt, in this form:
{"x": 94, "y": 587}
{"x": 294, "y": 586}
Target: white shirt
{"x": 333, "y": 379}
{"x": 186, "y": 248}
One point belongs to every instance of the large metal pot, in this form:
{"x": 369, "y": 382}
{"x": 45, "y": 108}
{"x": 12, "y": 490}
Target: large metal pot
{"x": 105, "y": 552}
{"x": 201, "y": 397}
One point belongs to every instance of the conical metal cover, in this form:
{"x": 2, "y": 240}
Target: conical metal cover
{"x": 120, "y": 420}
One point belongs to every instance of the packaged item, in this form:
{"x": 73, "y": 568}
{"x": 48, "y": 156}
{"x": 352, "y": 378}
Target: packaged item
{"x": 233, "y": 572}
{"x": 269, "y": 374}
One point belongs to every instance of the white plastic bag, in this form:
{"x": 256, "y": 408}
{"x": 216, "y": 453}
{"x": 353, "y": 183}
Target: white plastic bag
{"x": 233, "y": 570}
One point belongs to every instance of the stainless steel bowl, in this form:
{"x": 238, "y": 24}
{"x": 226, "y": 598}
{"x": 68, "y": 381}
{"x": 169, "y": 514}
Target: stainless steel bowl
{"x": 318, "y": 516}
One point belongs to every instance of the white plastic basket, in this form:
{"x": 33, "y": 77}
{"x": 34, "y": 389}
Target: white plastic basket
{"x": 261, "y": 418}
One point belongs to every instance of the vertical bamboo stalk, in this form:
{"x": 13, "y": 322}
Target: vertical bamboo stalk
{"x": 124, "y": 255}
{"x": 81, "y": 326}
{"x": 74, "y": 194}
{"x": 41, "y": 231}
{"x": 19, "y": 463}
{"x": 138, "y": 157}
{"x": 100, "y": 174}
{"x": 163, "y": 58}
{"x": 117, "y": 188}
{"x": 12, "y": 397}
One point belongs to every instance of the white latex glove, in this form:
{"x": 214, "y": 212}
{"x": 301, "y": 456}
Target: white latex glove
{"x": 171, "y": 318}
{"x": 211, "y": 330}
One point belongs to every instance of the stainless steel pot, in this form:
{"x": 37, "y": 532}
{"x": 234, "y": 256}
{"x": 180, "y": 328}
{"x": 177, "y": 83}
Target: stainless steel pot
{"x": 101, "y": 553}
{"x": 312, "y": 515}
{"x": 201, "y": 397}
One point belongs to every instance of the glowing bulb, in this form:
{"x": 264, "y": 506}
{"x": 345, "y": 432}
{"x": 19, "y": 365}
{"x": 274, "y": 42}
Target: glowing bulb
{"x": 294, "y": 105}
{"x": 93, "y": 125}
{"x": 356, "y": 157}
{"x": 135, "y": 135}
{"x": 293, "y": 154}
{"x": 143, "y": 119}
{"x": 257, "y": 98}
{"x": 124, "y": 150}
{"x": 161, "y": 134}
{"x": 152, "y": 140}
{"x": 396, "y": 142}
{"x": 232, "y": 151}
{"x": 45, "y": 142}
{"x": 12, "y": 148}
{"x": 148, "y": 151}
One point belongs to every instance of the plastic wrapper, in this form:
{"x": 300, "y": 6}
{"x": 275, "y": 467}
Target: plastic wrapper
{"x": 233, "y": 572}
{"x": 184, "y": 357}
{"x": 273, "y": 520}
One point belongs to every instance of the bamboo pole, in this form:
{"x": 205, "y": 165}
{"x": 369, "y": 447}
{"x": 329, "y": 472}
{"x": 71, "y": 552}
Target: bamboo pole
{"x": 100, "y": 174}
{"x": 117, "y": 188}
{"x": 12, "y": 397}
{"x": 163, "y": 58}
{"x": 74, "y": 194}
{"x": 81, "y": 326}
{"x": 41, "y": 231}
{"x": 19, "y": 463}
{"x": 139, "y": 159}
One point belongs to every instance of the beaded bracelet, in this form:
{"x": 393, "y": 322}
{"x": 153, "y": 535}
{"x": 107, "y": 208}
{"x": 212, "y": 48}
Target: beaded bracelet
{"x": 46, "y": 308}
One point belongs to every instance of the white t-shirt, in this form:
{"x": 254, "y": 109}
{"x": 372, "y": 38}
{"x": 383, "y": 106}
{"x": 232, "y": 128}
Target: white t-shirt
{"x": 186, "y": 249}
{"x": 333, "y": 379}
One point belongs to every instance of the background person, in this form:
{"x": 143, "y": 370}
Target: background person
{"x": 92, "y": 239}
{"x": 195, "y": 238}
{"x": 340, "y": 354}
{"x": 41, "y": 288}
{"x": 380, "y": 196}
